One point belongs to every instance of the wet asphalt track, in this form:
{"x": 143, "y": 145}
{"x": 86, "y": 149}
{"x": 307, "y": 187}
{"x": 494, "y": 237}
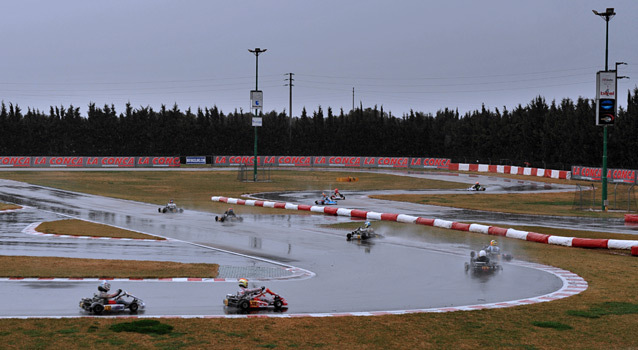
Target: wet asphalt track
{"x": 401, "y": 272}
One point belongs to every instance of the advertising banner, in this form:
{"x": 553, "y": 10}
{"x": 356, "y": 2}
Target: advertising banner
{"x": 196, "y": 160}
{"x": 338, "y": 161}
{"x": 595, "y": 174}
{"x": 15, "y": 162}
{"x": 430, "y": 163}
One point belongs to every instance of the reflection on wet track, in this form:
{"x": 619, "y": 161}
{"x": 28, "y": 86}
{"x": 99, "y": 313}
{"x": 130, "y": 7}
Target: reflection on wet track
{"x": 410, "y": 269}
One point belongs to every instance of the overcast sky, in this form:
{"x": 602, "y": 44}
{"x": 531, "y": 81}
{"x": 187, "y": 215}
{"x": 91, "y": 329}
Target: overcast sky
{"x": 402, "y": 55}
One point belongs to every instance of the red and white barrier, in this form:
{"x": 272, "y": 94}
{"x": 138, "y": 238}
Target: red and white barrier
{"x": 490, "y": 230}
{"x": 510, "y": 169}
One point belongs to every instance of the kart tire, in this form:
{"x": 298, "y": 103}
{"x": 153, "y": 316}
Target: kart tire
{"x": 133, "y": 307}
{"x": 164, "y": 210}
{"x": 348, "y": 236}
{"x": 216, "y": 218}
{"x": 316, "y": 202}
{"x": 240, "y": 219}
{"x": 278, "y": 304}
{"x": 159, "y": 210}
{"x": 472, "y": 254}
{"x": 467, "y": 267}
{"x": 98, "y": 308}
{"x": 244, "y": 304}
{"x": 181, "y": 210}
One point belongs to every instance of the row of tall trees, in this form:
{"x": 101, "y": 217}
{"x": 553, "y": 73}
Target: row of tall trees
{"x": 554, "y": 135}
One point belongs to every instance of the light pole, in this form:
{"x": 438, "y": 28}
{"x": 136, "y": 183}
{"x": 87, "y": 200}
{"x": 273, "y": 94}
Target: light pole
{"x": 607, "y": 15}
{"x": 256, "y": 51}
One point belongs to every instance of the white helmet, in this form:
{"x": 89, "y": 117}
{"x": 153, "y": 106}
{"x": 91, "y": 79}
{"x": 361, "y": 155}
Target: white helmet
{"x": 482, "y": 253}
{"x": 104, "y": 286}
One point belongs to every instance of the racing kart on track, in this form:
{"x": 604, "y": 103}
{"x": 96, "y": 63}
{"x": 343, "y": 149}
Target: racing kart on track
{"x": 474, "y": 188}
{"x": 361, "y": 234}
{"x": 121, "y": 302}
{"x": 262, "y": 299}
{"x": 170, "y": 209}
{"x": 326, "y": 201}
{"x": 229, "y": 218}
{"x": 337, "y": 197}
{"x": 477, "y": 266}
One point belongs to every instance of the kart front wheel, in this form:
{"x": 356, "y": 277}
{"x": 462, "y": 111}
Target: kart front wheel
{"x": 133, "y": 307}
{"x": 244, "y": 304}
{"x": 278, "y": 304}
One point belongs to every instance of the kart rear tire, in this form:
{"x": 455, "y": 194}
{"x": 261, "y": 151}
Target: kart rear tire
{"x": 164, "y": 210}
{"x": 159, "y": 210}
{"x": 216, "y": 218}
{"x": 244, "y": 304}
{"x": 240, "y": 219}
{"x": 278, "y": 304}
{"x": 348, "y": 236}
{"x": 181, "y": 210}
{"x": 133, "y": 307}
{"x": 98, "y": 308}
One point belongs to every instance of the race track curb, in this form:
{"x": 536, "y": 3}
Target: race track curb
{"x": 478, "y": 228}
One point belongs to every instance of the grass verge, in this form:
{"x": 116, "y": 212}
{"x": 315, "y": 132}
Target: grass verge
{"x": 29, "y": 266}
{"x": 5, "y": 206}
{"x": 74, "y": 227}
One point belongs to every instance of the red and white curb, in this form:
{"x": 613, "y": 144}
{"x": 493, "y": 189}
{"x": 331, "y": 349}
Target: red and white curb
{"x": 489, "y": 230}
{"x": 572, "y": 285}
{"x": 31, "y": 230}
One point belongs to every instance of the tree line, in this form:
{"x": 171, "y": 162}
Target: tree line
{"x": 555, "y": 135}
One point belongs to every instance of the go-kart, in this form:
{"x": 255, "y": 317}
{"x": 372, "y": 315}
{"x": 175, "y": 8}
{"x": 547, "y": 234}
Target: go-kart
{"x": 121, "y": 302}
{"x": 477, "y": 266}
{"x": 474, "y": 188}
{"x": 229, "y": 218}
{"x": 362, "y": 234}
{"x": 261, "y": 299}
{"x": 325, "y": 201}
{"x": 337, "y": 196}
{"x": 170, "y": 208}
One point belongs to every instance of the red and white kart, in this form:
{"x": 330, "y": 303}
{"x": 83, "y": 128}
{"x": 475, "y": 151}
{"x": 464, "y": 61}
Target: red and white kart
{"x": 265, "y": 298}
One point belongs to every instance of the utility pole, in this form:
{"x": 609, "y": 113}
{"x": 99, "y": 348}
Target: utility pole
{"x": 290, "y": 85}
{"x": 353, "y": 98}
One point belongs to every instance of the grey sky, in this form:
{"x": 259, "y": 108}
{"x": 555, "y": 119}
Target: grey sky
{"x": 420, "y": 55}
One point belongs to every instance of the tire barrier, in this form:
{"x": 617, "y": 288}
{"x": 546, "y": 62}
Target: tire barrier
{"x": 631, "y": 245}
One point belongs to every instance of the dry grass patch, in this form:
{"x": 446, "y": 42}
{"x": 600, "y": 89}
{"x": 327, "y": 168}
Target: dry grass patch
{"x": 31, "y": 267}
{"x": 74, "y": 227}
{"x": 5, "y": 206}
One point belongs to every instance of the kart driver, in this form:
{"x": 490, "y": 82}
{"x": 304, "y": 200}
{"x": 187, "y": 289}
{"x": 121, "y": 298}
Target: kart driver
{"x": 493, "y": 248}
{"x": 476, "y": 186}
{"x": 104, "y": 288}
{"x": 230, "y": 212}
{"x": 244, "y": 290}
{"x": 482, "y": 257}
{"x": 171, "y": 205}
{"x": 366, "y": 227}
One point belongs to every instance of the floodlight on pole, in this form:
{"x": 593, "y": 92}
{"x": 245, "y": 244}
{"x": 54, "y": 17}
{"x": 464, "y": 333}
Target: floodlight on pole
{"x": 256, "y": 52}
{"x": 607, "y": 15}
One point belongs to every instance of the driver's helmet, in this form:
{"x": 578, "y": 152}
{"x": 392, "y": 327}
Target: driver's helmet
{"x": 230, "y": 210}
{"x": 104, "y": 286}
{"x": 482, "y": 253}
{"x": 493, "y": 243}
{"x": 171, "y": 201}
{"x": 243, "y": 283}
{"x": 336, "y": 190}
{"x": 477, "y": 182}
{"x": 367, "y": 224}
{"x": 323, "y": 194}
